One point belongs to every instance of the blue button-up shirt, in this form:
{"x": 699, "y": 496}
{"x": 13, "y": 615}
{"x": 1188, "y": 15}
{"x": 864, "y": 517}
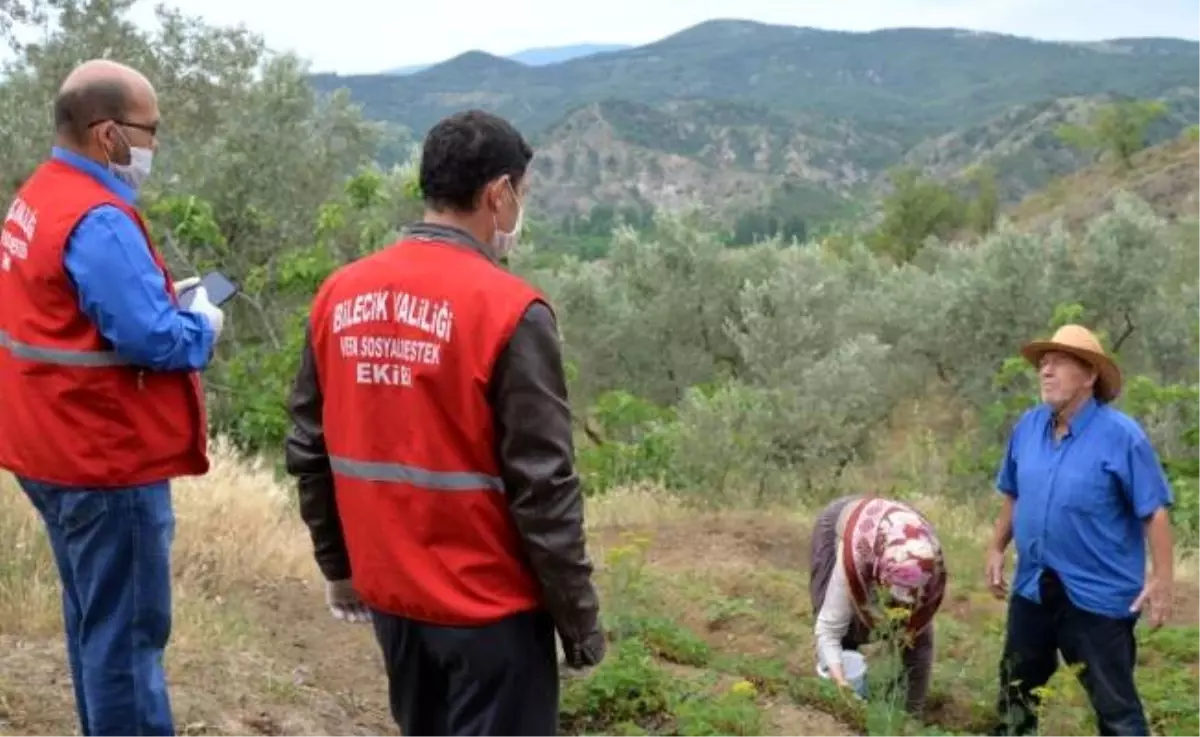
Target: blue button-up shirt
{"x": 1080, "y": 505}
{"x": 123, "y": 291}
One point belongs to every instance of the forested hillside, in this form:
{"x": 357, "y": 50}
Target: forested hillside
{"x": 898, "y": 80}
{"x": 746, "y": 118}
{"x": 721, "y": 394}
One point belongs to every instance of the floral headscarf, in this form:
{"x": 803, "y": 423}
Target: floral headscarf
{"x": 890, "y": 549}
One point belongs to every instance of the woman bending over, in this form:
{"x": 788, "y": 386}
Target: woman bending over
{"x": 876, "y": 563}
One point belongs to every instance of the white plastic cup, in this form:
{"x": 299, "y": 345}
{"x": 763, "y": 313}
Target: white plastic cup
{"x": 854, "y": 667}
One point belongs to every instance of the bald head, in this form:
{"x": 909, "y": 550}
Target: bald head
{"x": 102, "y": 90}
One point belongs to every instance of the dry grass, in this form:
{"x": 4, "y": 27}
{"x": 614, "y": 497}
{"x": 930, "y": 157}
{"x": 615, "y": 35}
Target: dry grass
{"x": 238, "y": 540}
{"x": 1166, "y": 176}
{"x": 254, "y": 651}
{"x": 233, "y": 525}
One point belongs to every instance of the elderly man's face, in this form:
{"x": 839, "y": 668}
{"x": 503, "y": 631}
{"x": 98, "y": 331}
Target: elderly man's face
{"x": 1064, "y": 378}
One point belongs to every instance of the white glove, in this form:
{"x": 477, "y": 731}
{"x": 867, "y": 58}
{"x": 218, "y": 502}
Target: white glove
{"x": 201, "y": 304}
{"x": 344, "y": 603}
{"x": 185, "y": 284}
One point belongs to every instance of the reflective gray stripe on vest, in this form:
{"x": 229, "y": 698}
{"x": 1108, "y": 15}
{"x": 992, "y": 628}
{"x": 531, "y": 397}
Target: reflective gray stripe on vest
{"x": 60, "y": 356}
{"x": 422, "y": 477}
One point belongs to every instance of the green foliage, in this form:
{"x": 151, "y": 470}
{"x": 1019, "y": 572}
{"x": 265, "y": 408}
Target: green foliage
{"x": 721, "y": 447}
{"x": 919, "y": 208}
{"x": 796, "y": 210}
{"x": 1118, "y": 129}
{"x": 250, "y": 405}
{"x": 252, "y": 376}
{"x": 627, "y": 689}
{"x": 824, "y": 346}
{"x": 726, "y": 376}
{"x": 584, "y": 237}
{"x": 256, "y": 176}
{"x": 365, "y": 215}
{"x": 602, "y": 219}
{"x": 629, "y": 693}
{"x": 984, "y": 209}
{"x": 632, "y": 691}
{"x": 916, "y": 209}
{"x": 628, "y": 443}
{"x": 762, "y": 225}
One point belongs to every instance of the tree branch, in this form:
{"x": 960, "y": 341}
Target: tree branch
{"x": 592, "y": 432}
{"x": 938, "y": 367}
{"x": 1128, "y": 331}
{"x": 179, "y": 252}
{"x": 257, "y": 305}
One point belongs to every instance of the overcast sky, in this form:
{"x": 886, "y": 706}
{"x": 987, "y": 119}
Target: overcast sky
{"x": 363, "y": 36}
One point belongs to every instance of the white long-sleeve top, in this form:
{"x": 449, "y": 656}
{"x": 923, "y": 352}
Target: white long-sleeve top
{"x": 837, "y": 612}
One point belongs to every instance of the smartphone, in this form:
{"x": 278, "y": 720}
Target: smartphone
{"x": 220, "y": 290}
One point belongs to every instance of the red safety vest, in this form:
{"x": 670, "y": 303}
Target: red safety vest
{"x": 404, "y": 342}
{"x": 72, "y": 412}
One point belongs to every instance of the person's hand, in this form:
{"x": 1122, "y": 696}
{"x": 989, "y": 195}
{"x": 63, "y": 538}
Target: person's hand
{"x": 995, "y": 573}
{"x": 344, "y": 603}
{"x": 185, "y": 284}
{"x": 844, "y": 687}
{"x": 1156, "y": 600}
{"x": 837, "y": 675}
{"x": 834, "y": 672}
{"x": 204, "y": 306}
{"x": 586, "y": 654}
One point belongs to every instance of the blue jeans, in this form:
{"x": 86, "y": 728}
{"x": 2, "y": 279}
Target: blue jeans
{"x": 1105, "y": 647}
{"x": 113, "y": 552}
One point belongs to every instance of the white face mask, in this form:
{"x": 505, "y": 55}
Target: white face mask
{"x": 137, "y": 170}
{"x": 505, "y": 242}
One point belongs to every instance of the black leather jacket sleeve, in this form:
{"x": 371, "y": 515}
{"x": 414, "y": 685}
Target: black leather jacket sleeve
{"x": 536, "y": 452}
{"x": 307, "y": 459}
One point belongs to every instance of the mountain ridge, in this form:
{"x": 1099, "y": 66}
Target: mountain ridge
{"x": 738, "y": 114}
{"x": 536, "y": 56}
{"x": 898, "y": 78}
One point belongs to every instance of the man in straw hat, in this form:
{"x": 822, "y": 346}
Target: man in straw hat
{"x": 1081, "y": 487}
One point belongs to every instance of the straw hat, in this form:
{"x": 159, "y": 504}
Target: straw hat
{"x": 1082, "y": 344}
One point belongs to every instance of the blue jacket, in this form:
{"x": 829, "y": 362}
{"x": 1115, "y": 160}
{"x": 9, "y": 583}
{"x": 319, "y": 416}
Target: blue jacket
{"x": 122, "y": 290}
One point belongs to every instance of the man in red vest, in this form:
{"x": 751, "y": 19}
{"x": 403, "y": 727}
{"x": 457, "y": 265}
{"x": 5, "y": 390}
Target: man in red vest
{"x": 432, "y": 442}
{"x": 102, "y": 404}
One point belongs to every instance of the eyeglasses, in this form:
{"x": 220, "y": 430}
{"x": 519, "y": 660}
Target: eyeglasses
{"x": 151, "y": 128}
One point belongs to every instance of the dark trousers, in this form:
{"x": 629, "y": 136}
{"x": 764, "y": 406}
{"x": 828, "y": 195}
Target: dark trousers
{"x": 112, "y": 548}
{"x": 497, "y": 679}
{"x": 1105, "y": 647}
